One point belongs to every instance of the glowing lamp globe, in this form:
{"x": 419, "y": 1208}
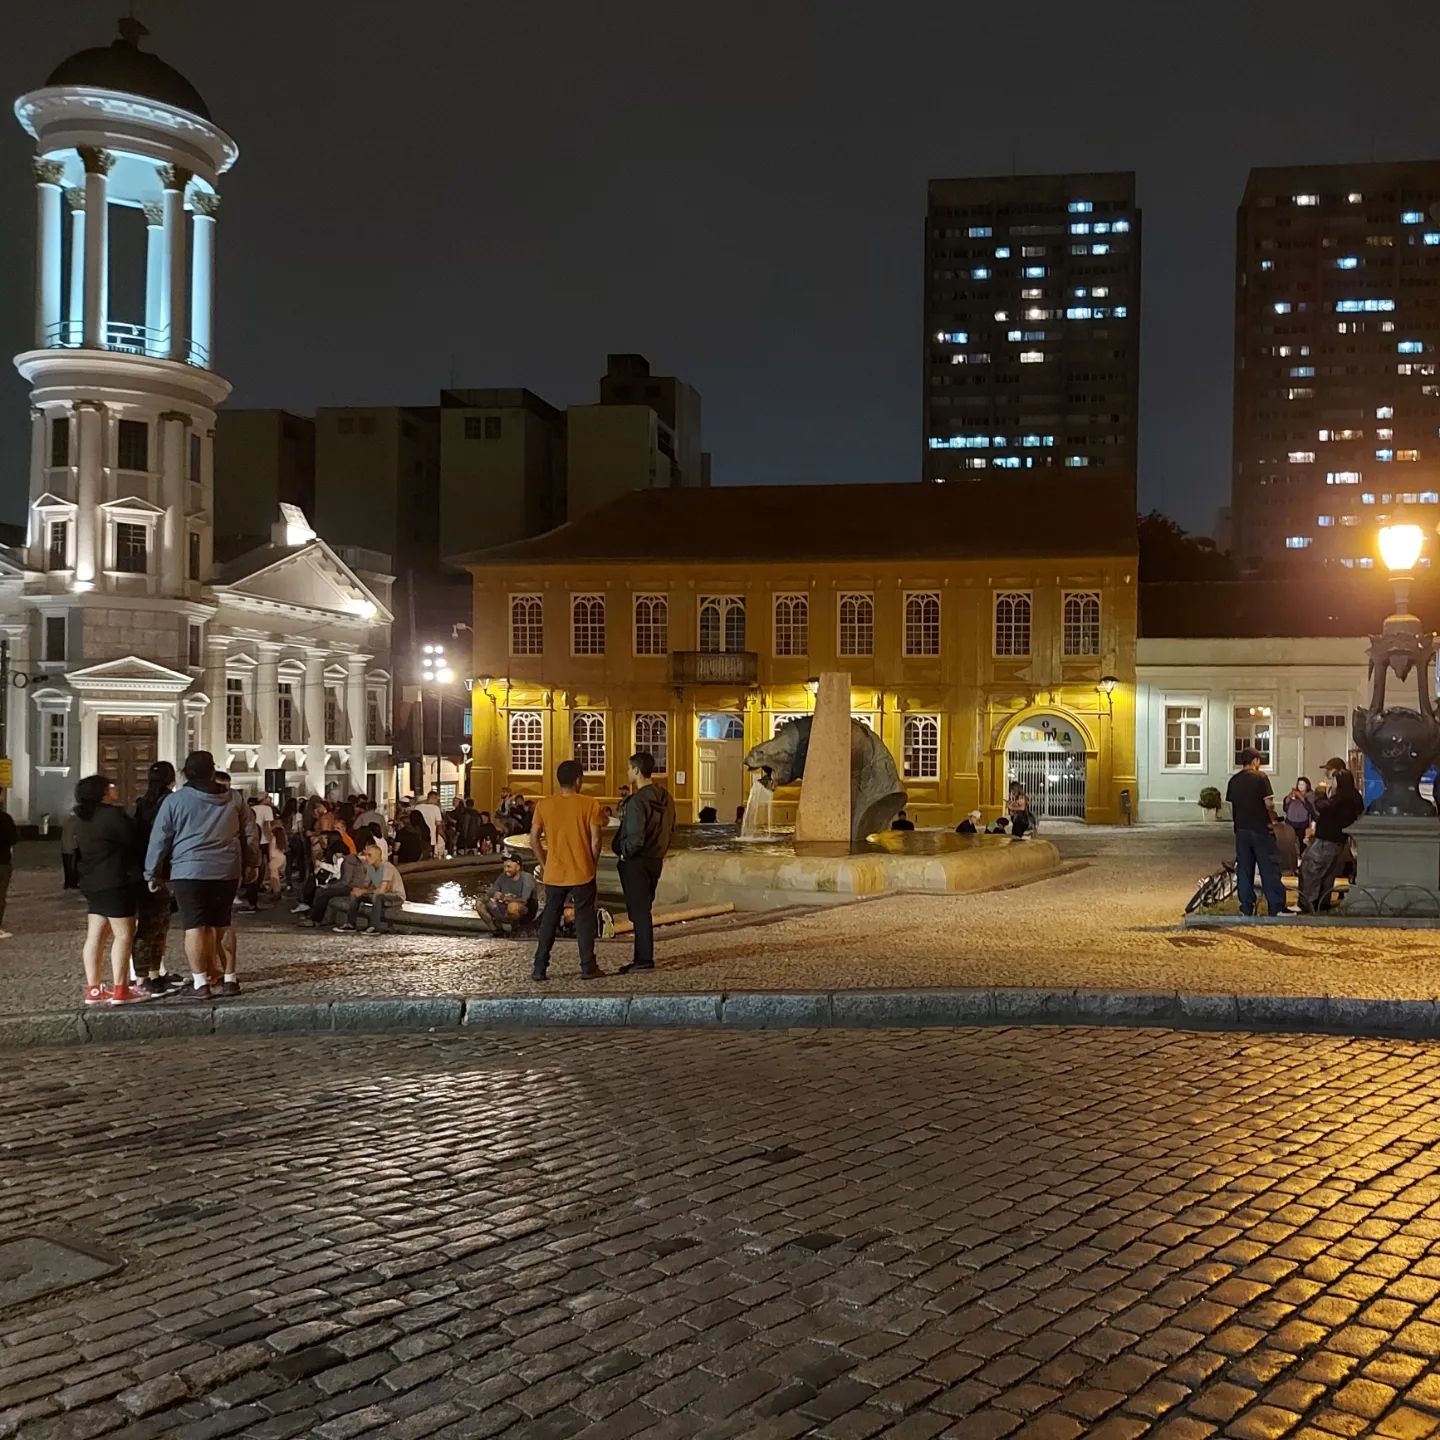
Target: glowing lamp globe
{"x": 1400, "y": 547}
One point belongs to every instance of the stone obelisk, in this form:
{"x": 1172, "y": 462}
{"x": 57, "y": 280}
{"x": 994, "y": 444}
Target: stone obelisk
{"x": 823, "y": 816}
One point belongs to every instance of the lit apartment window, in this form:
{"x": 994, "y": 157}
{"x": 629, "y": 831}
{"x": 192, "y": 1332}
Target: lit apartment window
{"x": 920, "y": 747}
{"x": 978, "y": 232}
{"x": 1348, "y": 262}
{"x": 652, "y": 625}
{"x": 652, "y": 733}
{"x": 1082, "y": 623}
{"x": 857, "y": 623}
{"x": 57, "y": 741}
{"x": 1324, "y": 521}
{"x": 527, "y": 625}
{"x": 1012, "y": 623}
{"x": 1412, "y": 217}
{"x": 527, "y": 743}
{"x": 587, "y": 741}
{"x": 587, "y": 624}
{"x": 1032, "y": 357}
{"x": 922, "y": 622}
{"x": 1306, "y": 199}
{"x": 1184, "y": 737}
{"x": 792, "y": 625}
{"x": 1252, "y": 732}
{"x": 1384, "y": 412}
{"x": 1080, "y": 207}
{"x": 1302, "y": 457}
{"x": 1342, "y": 477}
{"x": 1407, "y": 455}
{"x": 1297, "y": 542}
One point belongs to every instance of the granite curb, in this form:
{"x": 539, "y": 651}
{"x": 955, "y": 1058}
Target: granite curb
{"x": 760, "y": 1009}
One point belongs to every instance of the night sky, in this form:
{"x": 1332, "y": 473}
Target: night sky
{"x": 501, "y": 193}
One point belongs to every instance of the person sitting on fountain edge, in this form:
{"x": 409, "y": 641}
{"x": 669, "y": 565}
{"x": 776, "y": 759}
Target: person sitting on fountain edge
{"x": 902, "y": 822}
{"x": 970, "y": 825}
{"x": 511, "y": 901}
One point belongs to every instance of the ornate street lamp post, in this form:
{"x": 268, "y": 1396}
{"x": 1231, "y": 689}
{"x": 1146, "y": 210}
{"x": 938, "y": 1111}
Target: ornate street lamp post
{"x": 1399, "y": 742}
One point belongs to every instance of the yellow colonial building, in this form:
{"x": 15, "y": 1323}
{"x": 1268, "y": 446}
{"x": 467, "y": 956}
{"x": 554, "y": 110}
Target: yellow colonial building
{"x": 988, "y": 630}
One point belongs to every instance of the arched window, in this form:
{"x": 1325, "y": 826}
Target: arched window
{"x": 587, "y": 741}
{"x": 722, "y": 623}
{"x": 792, "y": 624}
{"x": 527, "y": 743}
{"x": 920, "y": 745}
{"x": 527, "y": 625}
{"x": 1012, "y": 623}
{"x": 587, "y": 624}
{"x": 1082, "y": 623}
{"x": 652, "y": 733}
{"x": 857, "y": 623}
{"x": 652, "y": 625}
{"x": 922, "y": 622}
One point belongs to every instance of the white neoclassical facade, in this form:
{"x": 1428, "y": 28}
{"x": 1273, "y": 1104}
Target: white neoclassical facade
{"x": 128, "y": 639}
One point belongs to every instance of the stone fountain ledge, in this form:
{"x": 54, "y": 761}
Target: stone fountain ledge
{"x": 767, "y": 882}
{"x": 772, "y": 1010}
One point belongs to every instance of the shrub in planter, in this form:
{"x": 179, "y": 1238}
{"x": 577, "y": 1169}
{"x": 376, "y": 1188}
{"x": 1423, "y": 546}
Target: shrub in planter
{"x": 1210, "y": 800}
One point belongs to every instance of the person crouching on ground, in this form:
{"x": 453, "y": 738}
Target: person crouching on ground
{"x": 382, "y": 887}
{"x": 511, "y": 901}
{"x": 206, "y": 843}
{"x": 110, "y": 881}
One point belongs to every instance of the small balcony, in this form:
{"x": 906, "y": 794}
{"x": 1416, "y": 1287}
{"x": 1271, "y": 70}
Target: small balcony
{"x": 127, "y": 339}
{"x": 704, "y": 667}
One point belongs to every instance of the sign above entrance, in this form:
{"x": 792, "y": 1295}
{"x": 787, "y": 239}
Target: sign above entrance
{"x": 1045, "y": 732}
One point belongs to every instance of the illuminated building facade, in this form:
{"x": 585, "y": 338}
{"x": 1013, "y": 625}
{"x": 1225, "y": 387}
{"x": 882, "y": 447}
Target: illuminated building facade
{"x": 1032, "y": 326}
{"x": 1337, "y": 322}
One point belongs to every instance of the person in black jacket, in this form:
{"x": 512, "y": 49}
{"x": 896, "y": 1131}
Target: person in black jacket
{"x": 111, "y": 869}
{"x": 1336, "y": 809}
{"x": 152, "y": 926}
{"x": 647, "y": 821}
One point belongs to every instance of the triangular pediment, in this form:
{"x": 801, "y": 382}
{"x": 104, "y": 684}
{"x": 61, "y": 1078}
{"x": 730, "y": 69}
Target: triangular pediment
{"x": 131, "y": 674}
{"x": 51, "y": 501}
{"x": 312, "y": 577}
{"x": 135, "y": 504}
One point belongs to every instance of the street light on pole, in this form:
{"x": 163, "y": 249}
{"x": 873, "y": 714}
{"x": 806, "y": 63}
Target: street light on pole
{"x": 434, "y": 671}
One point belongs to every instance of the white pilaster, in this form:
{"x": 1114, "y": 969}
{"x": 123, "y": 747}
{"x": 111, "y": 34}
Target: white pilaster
{"x": 202, "y": 281}
{"x": 90, "y": 417}
{"x": 214, "y": 725}
{"x": 39, "y": 472}
{"x": 75, "y": 300}
{"x": 355, "y": 719}
{"x": 157, "y": 285}
{"x": 175, "y": 180}
{"x": 174, "y": 444}
{"x": 267, "y": 703}
{"x": 315, "y": 721}
{"x": 48, "y": 223}
{"x": 98, "y": 164}
{"x": 17, "y": 724}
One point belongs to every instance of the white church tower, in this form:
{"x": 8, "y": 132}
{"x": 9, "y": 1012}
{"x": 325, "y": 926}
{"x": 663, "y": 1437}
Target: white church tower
{"x": 115, "y": 610}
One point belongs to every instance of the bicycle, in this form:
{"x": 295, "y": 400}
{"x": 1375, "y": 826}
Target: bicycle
{"x": 1214, "y": 889}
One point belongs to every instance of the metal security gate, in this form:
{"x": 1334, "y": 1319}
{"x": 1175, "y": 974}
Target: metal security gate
{"x": 1053, "y": 779}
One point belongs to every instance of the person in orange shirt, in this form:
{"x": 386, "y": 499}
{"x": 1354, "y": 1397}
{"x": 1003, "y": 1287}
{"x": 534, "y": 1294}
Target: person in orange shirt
{"x": 565, "y": 837}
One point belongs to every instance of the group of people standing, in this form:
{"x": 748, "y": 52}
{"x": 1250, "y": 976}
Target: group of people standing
{"x": 1310, "y": 836}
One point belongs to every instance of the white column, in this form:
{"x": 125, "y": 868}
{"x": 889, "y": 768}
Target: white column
{"x": 214, "y": 727}
{"x": 175, "y": 180}
{"x": 17, "y": 724}
{"x": 267, "y": 704}
{"x": 202, "y": 281}
{"x": 174, "y": 448}
{"x": 355, "y": 716}
{"x": 157, "y": 288}
{"x": 315, "y": 721}
{"x": 97, "y": 243}
{"x": 39, "y": 473}
{"x": 75, "y": 300}
{"x": 90, "y": 416}
{"x": 48, "y": 223}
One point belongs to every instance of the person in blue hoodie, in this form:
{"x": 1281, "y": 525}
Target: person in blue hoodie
{"x": 204, "y": 843}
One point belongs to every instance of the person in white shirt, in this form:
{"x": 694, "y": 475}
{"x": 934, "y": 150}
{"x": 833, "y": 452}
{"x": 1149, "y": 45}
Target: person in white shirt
{"x": 434, "y": 822}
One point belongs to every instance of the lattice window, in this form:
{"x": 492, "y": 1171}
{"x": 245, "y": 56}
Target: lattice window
{"x": 234, "y": 709}
{"x": 779, "y": 719}
{"x": 1012, "y": 623}
{"x": 652, "y": 625}
{"x": 652, "y": 733}
{"x": 1184, "y": 737}
{"x": 527, "y": 743}
{"x": 722, "y": 623}
{"x": 1082, "y": 623}
{"x": 587, "y": 741}
{"x": 57, "y": 742}
{"x": 285, "y": 713}
{"x": 527, "y": 625}
{"x": 920, "y": 747}
{"x": 792, "y": 624}
{"x": 857, "y": 623}
{"x": 922, "y": 622}
{"x": 587, "y": 624}
{"x": 1253, "y": 729}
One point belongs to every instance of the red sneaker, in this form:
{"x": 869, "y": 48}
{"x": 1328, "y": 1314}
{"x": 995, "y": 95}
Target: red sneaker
{"x": 128, "y": 995}
{"x": 96, "y": 995}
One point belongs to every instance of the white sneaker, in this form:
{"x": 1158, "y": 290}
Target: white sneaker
{"x": 299, "y": 909}
{"x": 6, "y": 935}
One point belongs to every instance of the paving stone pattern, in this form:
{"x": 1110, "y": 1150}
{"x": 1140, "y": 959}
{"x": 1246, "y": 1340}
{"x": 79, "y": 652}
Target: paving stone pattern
{"x": 1110, "y": 924}
{"x": 969, "y": 1233}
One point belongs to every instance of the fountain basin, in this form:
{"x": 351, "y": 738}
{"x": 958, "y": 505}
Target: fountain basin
{"x": 771, "y": 876}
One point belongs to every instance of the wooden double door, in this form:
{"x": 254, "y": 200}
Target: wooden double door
{"x": 128, "y": 745}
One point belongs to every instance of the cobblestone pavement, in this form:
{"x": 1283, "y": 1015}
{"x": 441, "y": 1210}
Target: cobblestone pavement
{"x": 1109, "y": 924}
{"x": 671, "y": 1234}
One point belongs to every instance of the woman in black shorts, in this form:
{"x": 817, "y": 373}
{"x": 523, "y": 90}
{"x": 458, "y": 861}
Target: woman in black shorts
{"x": 110, "y": 875}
